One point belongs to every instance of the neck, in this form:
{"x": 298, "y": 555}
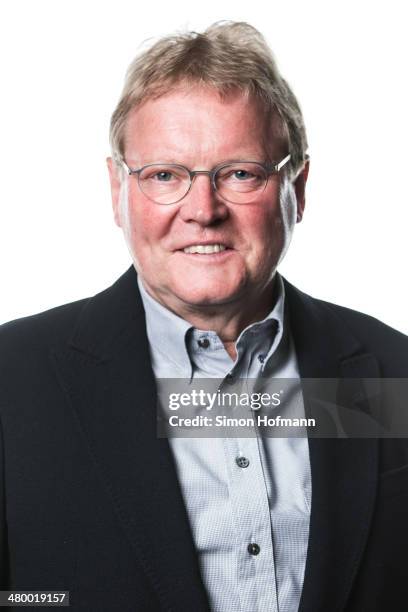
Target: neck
{"x": 227, "y": 320}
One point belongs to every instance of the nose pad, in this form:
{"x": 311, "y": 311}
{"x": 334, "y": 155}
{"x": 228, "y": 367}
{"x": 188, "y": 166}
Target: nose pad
{"x": 202, "y": 203}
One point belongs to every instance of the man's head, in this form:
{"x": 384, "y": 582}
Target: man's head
{"x": 202, "y": 101}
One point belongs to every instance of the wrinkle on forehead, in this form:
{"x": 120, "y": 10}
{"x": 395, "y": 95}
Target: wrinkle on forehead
{"x": 188, "y": 126}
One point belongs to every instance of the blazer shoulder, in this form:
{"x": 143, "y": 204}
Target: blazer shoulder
{"x": 376, "y": 337}
{"x": 26, "y": 346}
{"x": 364, "y": 324}
{"x": 39, "y": 330}
{"x": 347, "y": 331}
{"x": 27, "y": 339}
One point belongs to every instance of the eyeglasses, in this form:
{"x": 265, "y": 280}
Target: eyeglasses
{"x": 239, "y": 182}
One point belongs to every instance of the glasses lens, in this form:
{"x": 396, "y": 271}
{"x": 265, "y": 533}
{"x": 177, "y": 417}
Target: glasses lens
{"x": 164, "y": 183}
{"x": 241, "y": 182}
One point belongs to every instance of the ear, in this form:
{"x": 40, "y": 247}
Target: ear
{"x": 300, "y": 190}
{"x": 115, "y": 183}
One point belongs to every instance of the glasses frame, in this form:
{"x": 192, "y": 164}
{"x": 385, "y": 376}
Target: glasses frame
{"x": 269, "y": 169}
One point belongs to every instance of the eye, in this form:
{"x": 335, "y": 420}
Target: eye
{"x": 245, "y": 172}
{"x": 163, "y": 176}
{"x": 242, "y": 175}
{"x": 235, "y": 174}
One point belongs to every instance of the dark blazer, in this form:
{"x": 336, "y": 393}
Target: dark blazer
{"x": 90, "y": 498}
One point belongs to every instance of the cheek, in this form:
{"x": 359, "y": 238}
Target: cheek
{"x": 280, "y": 220}
{"x": 267, "y": 231}
{"x": 148, "y": 222}
{"x": 264, "y": 230}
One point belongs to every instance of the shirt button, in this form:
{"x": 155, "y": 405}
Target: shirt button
{"x": 204, "y": 343}
{"x": 254, "y": 549}
{"x": 229, "y": 379}
{"x": 261, "y": 358}
{"x": 242, "y": 462}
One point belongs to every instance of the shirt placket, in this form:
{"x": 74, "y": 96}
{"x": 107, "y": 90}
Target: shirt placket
{"x": 256, "y": 575}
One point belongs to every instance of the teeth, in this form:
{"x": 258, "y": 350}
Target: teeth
{"x": 207, "y": 249}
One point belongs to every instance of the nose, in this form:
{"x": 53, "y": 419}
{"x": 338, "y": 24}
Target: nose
{"x": 202, "y": 204}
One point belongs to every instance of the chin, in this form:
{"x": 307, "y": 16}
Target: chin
{"x": 206, "y": 297}
{"x": 209, "y": 287}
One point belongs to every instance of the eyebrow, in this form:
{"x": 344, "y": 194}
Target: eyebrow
{"x": 220, "y": 163}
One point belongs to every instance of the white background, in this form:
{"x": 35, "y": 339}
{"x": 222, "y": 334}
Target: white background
{"x": 62, "y": 68}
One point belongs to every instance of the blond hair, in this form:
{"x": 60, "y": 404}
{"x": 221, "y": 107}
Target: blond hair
{"x": 228, "y": 57}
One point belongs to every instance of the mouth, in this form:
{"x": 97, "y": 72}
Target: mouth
{"x": 205, "y": 249}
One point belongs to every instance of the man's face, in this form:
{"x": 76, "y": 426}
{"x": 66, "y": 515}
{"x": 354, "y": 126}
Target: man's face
{"x": 198, "y": 129}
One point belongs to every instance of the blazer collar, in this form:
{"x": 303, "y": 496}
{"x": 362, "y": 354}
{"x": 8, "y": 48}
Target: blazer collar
{"x": 108, "y": 377}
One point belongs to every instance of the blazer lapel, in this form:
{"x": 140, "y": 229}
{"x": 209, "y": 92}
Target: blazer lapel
{"x": 344, "y": 471}
{"x": 107, "y": 375}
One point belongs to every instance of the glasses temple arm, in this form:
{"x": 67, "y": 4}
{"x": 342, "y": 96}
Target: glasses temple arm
{"x": 282, "y": 163}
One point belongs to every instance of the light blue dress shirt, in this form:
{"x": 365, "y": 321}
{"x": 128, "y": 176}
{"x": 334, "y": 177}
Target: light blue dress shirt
{"x": 248, "y": 499}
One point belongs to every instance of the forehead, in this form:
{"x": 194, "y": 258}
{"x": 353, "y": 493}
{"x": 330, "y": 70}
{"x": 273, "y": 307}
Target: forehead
{"x": 198, "y": 125}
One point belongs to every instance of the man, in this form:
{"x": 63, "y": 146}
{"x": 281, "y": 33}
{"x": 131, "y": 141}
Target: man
{"x": 208, "y": 174}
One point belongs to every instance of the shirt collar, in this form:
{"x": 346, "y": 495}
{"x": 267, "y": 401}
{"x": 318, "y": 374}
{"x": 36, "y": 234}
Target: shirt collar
{"x": 170, "y": 338}
{"x": 272, "y": 326}
{"x": 166, "y": 333}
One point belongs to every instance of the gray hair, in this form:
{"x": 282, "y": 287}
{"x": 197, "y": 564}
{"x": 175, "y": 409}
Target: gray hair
{"x": 228, "y": 57}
